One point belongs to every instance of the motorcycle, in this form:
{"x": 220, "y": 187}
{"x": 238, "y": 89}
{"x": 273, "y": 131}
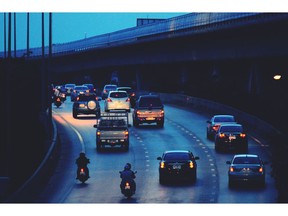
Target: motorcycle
{"x": 57, "y": 102}
{"x": 83, "y": 175}
{"x": 128, "y": 187}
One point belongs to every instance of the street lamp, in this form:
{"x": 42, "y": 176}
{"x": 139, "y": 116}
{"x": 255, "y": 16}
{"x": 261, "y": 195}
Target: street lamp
{"x": 277, "y": 77}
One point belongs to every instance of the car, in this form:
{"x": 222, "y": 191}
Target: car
{"x": 86, "y": 104}
{"x": 131, "y": 93}
{"x": 179, "y": 164}
{"x": 79, "y": 89}
{"x": 92, "y": 89}
{"x": 231, "y": 137}
{"x": 214, "y": 123}
{"x": 69, "y": 88}
{"x": 246, "y": 168}
{"x": 117, "y": 100}
{"x": 107, "y": 88}
{"x": 148, "y": 109}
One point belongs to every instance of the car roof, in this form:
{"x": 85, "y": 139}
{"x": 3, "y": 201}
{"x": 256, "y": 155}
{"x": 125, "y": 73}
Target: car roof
{"x": 223, "y": 115}
{"x": 245, "y": 155}
{"x": 177, "y": 151}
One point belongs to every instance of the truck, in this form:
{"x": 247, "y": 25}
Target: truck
{"x": 148, "y": 109}
{"x": 112, "y": 130}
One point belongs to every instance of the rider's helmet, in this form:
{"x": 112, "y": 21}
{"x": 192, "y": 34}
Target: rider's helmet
{"x": 127, "y": 166}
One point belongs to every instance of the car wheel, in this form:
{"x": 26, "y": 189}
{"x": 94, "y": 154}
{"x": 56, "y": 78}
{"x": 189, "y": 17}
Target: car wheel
{"x": 230, "y": 183}
{"x": 74, "y": 114}
{"x": 161, "y": 179}
{"x": 160, "y": 124}
{"x": 135, "y": 123}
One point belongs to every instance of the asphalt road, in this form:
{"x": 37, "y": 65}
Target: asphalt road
{"x": 183, "y": 129}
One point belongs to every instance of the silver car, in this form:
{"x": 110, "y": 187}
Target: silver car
{"x": 246, "y": 168}
{"x": 117, "y": 100}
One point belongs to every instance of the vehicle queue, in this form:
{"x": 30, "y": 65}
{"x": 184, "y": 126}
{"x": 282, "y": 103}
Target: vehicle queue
{"x": 227, "y": 134}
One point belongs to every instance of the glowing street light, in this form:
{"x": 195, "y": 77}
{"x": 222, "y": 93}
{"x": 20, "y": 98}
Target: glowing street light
{"x": 277, "y": 77}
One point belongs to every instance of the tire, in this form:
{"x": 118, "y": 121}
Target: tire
{"x": 135, "y": 123}
{"x": 160, "y": 124}
{"x": 75, "y": 114}
{"x": 161, "y": 179}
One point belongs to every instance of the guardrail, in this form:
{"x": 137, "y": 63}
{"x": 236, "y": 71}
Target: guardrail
{"x": 131, "y": 35}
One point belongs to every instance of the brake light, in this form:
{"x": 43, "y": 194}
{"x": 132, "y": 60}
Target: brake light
{"x": 162, "y": 165}
{"x": 215, "y": 127}
{"x": 77, "y": 98}
{"x": 261, "y": 169}
{"x": 109, "y": 100}
{"x": 231, "y": 169}
{"x": 127, "y": 184}
{"x": 126, "y": 133}
{"x": 98, "y": 133}
{"x": 105, "y": 91}
{"x": 138, "y": 112}
{"x": 58, "y": 99}
{"x": 221, "y": 135}
{"x": 128, "y": 100}
{"x": 242, "y": 135}
{"x": 82, "y": 170}
{"x": 191, "y": 164}
{"x": 162, "y": 112}
{"x": 133, "y": 94}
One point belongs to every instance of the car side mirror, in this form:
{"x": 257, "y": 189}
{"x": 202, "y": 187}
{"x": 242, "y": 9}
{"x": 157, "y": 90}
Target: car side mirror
{"x": 159, "y": 158}
{"x": 95, "y": 125}
{"x": 196, "y": 158}
{"x": 228, "y": 162}
{"x": 208, "y": 121}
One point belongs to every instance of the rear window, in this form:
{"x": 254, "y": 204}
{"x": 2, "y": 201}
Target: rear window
{"x": 230, "y": 128}
{"x": 224, "y": 119}
{"x": 112, "y": 123}
{"x": 118, "y": 94}
{"x": 81, "y": 88}
{"x": 150, "y": 102}
{"x": 246, "y": 160}
{"x": 110, "y": 87}
{"x": 86, "y": 98}
{"x": 176, "y": 156}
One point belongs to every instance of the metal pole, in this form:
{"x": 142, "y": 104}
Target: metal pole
{"x": 15, "y": 36}
{"x": 5, "y": 35}
{"x": 44, "y": 79}
{"x": 28, "y": 16}
{"x": 9, "y": 35}
{"x": 49, "y": 69}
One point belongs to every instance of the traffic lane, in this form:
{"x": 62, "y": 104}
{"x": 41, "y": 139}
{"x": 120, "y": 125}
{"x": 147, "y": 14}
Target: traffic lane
{"x": 187, "y": 120}
{"x": 157, "y": 140}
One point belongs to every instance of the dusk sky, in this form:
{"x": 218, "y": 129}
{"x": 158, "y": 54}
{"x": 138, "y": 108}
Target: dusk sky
{"x": 69, "y": 26}
{"x": 73, "y": 20}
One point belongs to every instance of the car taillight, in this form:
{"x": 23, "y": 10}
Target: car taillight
{"x": 242, "y": 135}
{"x": 162, "y": 165}
{"x": 162, "y": 112}
{"x": 261, "y": 169}
{"x": 133, "y": 94}
{"x": 109, "y": 100}
{"x": 82, "y": 170}
{"x": 191, "y": 164}
{"x": 215, "y": 127}
{"x": 221, "y": 135}
{"x": 128, "y": 100}
{"x": 98, "y": 133}
{"x": 77, "y": 99}
{"x": 138, "y": 112}
{"x": 126, "y": 133}
{"x": 58, "y": 99}
{"x": 231, "y": 169}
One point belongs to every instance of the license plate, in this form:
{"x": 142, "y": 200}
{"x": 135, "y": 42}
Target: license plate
{"x": 150, "y": 118}
{"x": 232, "y": 137}
{"x": 177, "y": 166}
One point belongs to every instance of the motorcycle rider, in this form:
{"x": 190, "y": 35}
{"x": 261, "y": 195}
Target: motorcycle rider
{"x": 82, "y": 162}
{"x": 127, "y": 175}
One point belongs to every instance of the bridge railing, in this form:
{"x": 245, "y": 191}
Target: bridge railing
{"x": 130, "y": 35}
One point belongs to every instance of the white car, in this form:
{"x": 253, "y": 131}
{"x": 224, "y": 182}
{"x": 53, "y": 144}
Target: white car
{"x": 117, "y": 100}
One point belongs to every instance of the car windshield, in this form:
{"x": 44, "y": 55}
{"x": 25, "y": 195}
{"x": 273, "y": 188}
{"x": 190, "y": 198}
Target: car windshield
{"x": 69, "y": 86}
{"x": 128, "y": 90}
{"x": 90, "y": 86}
{"x": 230, "y": 128}
{"x": 112, "y": 123}
{"x": 150, "y": 102}
{"x": 246, "y": 160}
{"x": 118, "y": 94}
{"x": 224, "y": 119}
{"x": 176, "y": 156}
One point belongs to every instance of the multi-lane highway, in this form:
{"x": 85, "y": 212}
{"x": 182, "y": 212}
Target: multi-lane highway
{"x": 183, "y": 129}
